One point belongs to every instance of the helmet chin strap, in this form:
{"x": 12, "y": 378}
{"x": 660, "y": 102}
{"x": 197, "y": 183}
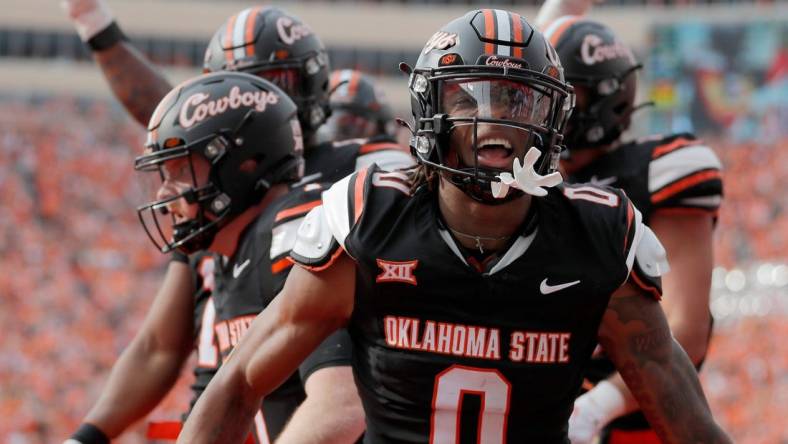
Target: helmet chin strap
{"x": 525, "y": 178}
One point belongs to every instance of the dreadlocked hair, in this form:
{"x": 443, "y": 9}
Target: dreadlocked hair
{"x": 422, "y": 175}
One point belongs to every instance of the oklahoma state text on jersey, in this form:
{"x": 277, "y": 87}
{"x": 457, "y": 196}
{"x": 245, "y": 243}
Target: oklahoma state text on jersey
{"x": 446, "y": 352}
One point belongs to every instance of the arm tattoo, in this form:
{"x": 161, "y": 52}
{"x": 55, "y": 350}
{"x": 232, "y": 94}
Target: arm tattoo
{"x": 657, "y": 371}
{"x": 134, "y": 80}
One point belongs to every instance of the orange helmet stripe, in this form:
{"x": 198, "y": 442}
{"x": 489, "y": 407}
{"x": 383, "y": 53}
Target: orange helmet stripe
{"x": 556, "y": 29}
{"x": 353, "y": 84}
{"x": 228, "y": 38}
{"x": 251, "y": 20}
{"x": 489, "y": 30}
{"x": 517, "y": 34}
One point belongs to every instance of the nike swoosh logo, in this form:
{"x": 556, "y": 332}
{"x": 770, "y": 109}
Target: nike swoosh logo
{"x": 603, "y": 181}
{"x": 306, "y": 179}
{"x": 238, "y": 269}
{"x": 547, "y": 289}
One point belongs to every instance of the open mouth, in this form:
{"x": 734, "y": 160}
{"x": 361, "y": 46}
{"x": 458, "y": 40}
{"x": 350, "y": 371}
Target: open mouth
{"x": 495, "y": 152}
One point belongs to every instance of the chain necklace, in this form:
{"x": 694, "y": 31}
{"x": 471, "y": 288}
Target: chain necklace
{"x": 479, "y": 239}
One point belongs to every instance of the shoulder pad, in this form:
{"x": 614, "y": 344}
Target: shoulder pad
{"x": 315, "y": 246}
{"x": 651, "y": 264}
{"x": 336, "y": 208}
{"x": 650, "y": 255}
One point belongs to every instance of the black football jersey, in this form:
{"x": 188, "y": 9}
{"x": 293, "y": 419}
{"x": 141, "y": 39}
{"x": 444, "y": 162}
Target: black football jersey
{"x": 331, "y": 161}
{"x": 216, "y": 332}
{"x": 449, "y": 350}
{"x": 231, "y": 292}
{"x": 202, "y": 267}
{"x": 677, "y": 174}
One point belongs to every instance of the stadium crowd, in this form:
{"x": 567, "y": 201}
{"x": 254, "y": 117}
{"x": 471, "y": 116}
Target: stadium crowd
{"x": 77, "y": 273}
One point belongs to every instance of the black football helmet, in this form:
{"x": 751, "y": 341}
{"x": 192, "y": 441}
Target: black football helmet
{"x": 244, "y": 127}
{"x": 270, "y": 43}
{"x": 492, "y": 55}
{"x": 358, "y": 107}
{"x": 595, "y": 60}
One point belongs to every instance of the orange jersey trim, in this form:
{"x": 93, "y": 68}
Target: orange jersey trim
{"x": 653, "y": 290}
{"x": 361, "y": 177}
{"x": 319, "y": 268}
{"x": 685, "y": 183}
{"x": 297, "y": 210}
{"x": 281, "y": 265}
{"x": 630, "y": 216}
{"x": 381, "y": 146}
{"x": 673, "y": 146}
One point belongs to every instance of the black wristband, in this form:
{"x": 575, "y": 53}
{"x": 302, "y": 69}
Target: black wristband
{"x": 107, "y": 38}
{"x": 90, "y": 434}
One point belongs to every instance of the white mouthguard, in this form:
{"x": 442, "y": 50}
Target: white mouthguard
{"x": 525, "y": 177}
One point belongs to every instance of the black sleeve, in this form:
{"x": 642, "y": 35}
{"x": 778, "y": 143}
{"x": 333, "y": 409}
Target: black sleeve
{"x": 335, "y": 351}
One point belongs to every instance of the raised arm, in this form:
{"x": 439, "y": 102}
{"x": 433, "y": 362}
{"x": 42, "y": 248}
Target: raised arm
{"x": 552, "y": 9}
{"x": 150, "y": 365}
{"x": 134, "y": 81}
{"x": 309, "y": 308}
{"x": 636, "y": 336}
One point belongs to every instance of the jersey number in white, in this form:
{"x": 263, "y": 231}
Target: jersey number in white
{"x": 451, "y": 386}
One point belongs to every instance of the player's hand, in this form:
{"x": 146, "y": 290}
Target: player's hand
{"x": 71, "y": 441}
{"x": 594, "y": 410}
{"x": 584, "y": 425}
{"x": 89, "y": 16}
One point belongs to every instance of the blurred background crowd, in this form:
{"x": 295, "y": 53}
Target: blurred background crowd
{"x": 77, "y": 273}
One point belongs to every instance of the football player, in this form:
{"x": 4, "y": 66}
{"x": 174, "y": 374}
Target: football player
{"x": 283, "y": 49}
{"x": 227, "y": 147}
{"x": 476, "y": 287}
{"x": 358, "y": 109}
{"x": 673, "y": 179}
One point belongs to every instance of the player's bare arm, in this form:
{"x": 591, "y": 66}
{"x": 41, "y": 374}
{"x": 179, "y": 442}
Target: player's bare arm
{"x": 689, "y": 283}
{"x": 134, "y": 81}
{"x": 636, "y": 336}
{"x": 686, "y": 308}
{"x": 150, "y": 365}
{"x": 309, "y": 308}
{"x": 331, "y": 413}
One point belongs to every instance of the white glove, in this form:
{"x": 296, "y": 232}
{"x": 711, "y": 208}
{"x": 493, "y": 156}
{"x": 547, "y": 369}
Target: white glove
{"x": 525, "y": 177}
{"x": 89, "y": 16}
{"x": 593, "y": 411}
{"x": 71, "y": 441}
